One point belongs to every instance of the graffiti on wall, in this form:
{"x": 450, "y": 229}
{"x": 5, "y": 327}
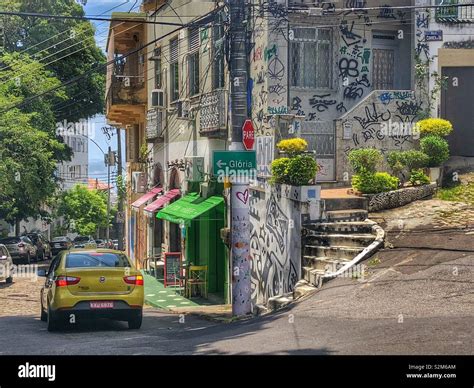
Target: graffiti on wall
{"x": 422, "y": 23}
{"x": 273, "y": 267}
{"x": 386, "y": 122}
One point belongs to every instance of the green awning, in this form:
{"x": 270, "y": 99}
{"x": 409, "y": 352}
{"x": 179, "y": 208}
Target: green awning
{"x": 188, "y": 208}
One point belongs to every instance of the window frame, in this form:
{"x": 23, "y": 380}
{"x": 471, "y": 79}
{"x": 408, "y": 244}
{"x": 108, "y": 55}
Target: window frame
{"x": 174, "y": 71}
{"x": 317, "y": 42}
{"x": 158, "y": 67}
{"x": 193, "y": 64}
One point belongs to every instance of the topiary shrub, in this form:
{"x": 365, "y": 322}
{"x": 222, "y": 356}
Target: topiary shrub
{"x": 437, "y": 150}
{"x": 373, "y": 183}
{"x": 293, "y": 147}
{"x": 279, "y": 170}
{"x": 301, "y": 170}
{"x": 419, "y": 178}
{"x": 414, "y": 159}
{"x": 297, "y": 170}
{"x": 365, "y": 159}
{"x": 433, "y": 126}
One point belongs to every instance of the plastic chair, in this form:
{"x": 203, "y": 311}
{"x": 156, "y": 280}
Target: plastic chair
{"x": 197, "y": 277}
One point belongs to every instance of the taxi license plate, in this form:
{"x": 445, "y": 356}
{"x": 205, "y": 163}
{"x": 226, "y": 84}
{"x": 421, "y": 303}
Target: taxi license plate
{"x": 102, "y": 305}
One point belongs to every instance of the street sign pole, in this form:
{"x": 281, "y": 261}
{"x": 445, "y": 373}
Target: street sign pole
{"x": 240, "y": 193}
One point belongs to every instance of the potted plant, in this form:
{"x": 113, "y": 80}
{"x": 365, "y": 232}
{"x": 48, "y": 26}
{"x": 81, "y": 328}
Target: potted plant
{"x": 432, "y": 132}
{"x": 437, "y": 150}
{"x": 298, "y": 168}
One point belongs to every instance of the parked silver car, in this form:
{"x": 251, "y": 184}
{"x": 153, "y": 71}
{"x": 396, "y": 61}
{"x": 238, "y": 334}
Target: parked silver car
{"x": 22, "y": 250}
{"x": 6, "y": 264}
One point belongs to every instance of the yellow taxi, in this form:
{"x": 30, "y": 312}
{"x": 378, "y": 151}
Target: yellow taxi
{"x": 99, "y": 283}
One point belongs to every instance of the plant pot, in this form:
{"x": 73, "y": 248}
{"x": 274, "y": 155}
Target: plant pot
{"x": 435, "y": 174}
{"x": 307, "y": 193}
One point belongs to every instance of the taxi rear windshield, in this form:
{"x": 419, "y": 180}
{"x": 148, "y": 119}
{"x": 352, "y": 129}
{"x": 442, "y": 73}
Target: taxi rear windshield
{"x": 93, "y": 260}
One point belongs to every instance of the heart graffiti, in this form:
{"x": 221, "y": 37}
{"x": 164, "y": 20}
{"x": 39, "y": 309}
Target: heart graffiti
{"x": 243, "y": 196}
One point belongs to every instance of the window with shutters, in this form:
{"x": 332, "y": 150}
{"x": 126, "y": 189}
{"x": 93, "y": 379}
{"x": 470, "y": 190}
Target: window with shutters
{"x": 311, "y": 58}
{"x": 174, "y": 69}
{"x": 193, "y": 61}
{"x": 218, "y": 58}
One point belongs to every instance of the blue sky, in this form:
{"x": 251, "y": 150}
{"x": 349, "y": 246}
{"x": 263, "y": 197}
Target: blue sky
{"x": 104, "y": 9}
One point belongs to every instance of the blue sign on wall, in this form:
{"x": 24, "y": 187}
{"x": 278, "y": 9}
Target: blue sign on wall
{"x": 434, "y": 36}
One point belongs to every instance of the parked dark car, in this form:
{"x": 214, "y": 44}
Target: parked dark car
{"x": 42, "y": 245}
{"x": 22, "y": 250}
{"x": 101, "y": 243}
{"x": 84, "y": 242}
{"x": 62, "y": 243}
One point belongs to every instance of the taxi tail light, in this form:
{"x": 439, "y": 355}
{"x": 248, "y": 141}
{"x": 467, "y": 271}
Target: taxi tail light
{"x": 64, "y": 281}
{"x": 134, "y": 280}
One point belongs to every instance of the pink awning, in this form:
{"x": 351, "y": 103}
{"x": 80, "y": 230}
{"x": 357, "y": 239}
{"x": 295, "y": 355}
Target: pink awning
{"x": 162, "y": 201}
{"x": 147, "y": 197}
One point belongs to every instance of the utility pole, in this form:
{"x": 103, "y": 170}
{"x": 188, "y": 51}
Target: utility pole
{"x": 120, "y": 205}
{"x": 109, "y": 159}
{"x": 240, "y": 193}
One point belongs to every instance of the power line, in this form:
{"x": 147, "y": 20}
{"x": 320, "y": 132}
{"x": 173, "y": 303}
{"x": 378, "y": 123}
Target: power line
{"x": 56, "y": 35}
{"x": 105, "y": 65}
{"x": 87, "y": 18}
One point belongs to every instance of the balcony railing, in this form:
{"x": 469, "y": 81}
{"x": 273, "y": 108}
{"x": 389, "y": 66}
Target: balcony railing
{"x": 155, "y": 124}
{"x": 454, "y": 11}
{"x": 213, "y": 113}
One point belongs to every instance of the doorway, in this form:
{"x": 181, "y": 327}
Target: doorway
{"x": 457, "y": 106}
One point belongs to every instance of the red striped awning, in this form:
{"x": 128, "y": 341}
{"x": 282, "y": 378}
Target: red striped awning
{"x": 147, "y": 197}
{"x": 162, "y": 201}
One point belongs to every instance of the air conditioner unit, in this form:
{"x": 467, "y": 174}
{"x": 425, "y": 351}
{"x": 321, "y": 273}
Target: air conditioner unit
{"x": 139, "y": 182}
{"x": 158, "y": 98}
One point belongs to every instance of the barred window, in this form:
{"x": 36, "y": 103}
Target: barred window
{"x": 311, "y": 58}
{"x": 174, "y": 69}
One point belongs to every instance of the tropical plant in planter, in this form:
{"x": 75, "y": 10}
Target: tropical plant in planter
{"x": 367, "y": 180}
{"x": 299, "y": 168}
{"x": 403, "y": 163}
{"x": 437, "y": 150}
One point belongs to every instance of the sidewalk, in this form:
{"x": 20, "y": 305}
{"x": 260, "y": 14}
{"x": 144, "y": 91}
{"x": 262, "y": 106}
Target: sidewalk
{"x": 156, "y": 295}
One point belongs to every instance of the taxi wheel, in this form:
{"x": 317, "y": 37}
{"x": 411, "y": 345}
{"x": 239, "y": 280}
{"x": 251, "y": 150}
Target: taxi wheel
{"x": 136, "y": 322}
{"x": 53, "y": 324}
{"x": 9, "y": 280}
{"x": 44, "y": 316}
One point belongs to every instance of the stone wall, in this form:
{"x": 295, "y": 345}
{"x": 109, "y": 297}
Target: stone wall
{"x": 398, "y": 198}
{"x": 276, "y": 216}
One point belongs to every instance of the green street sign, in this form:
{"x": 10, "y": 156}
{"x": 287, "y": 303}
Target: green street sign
{"x": 234, "y": 164}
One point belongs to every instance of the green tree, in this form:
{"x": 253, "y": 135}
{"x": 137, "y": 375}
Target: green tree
{"x": 27, "y": 166}
{"x": 66, "y": 47}
{"x": 84, "y": 210}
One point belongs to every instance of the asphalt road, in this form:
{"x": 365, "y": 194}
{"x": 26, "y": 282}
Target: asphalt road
{"x": 410, "y": 303}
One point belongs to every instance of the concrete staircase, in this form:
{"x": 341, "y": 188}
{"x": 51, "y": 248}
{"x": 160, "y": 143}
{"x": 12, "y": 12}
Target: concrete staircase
{"x": 341, "y": 237}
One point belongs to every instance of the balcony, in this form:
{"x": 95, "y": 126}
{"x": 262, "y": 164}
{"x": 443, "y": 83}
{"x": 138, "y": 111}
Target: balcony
{"x": 126, "y": 82}
{"x": 213, "y": 114}
{"x": 152, "y": 5}
{"x": 453, "y": 11}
